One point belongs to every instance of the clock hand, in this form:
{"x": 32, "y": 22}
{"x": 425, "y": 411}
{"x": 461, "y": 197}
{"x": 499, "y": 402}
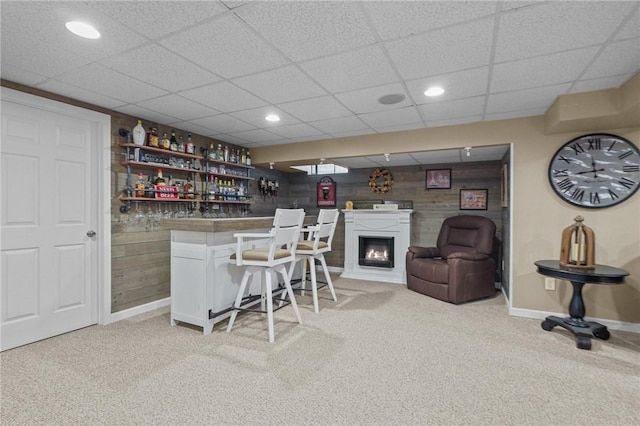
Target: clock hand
{"x": 590, "y": 171}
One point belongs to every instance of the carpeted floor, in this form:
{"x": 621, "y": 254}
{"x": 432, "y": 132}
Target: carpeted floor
{"x": 380, "y": 355}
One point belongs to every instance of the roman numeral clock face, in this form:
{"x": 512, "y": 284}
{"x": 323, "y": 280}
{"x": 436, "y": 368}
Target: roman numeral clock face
{"x": 595, "y": 171}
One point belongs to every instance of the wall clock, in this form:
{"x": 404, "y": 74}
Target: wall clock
{"x": 596, "y": 170}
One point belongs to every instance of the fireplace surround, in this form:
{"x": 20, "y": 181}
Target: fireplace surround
{"x": 376, "y": 229}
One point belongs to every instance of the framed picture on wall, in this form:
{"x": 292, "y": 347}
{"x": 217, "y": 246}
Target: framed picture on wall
{"x": 438, "y": 179}
{"x": 473, "y": 199}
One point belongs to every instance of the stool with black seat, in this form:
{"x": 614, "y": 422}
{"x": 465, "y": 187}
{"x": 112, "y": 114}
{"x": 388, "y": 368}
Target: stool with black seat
{"x": 316, "y": 244}
{"x": 275, "y": 257}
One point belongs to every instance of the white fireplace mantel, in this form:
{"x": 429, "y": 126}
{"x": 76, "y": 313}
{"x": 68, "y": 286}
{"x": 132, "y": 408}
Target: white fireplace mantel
{"x": 376, "y": 223}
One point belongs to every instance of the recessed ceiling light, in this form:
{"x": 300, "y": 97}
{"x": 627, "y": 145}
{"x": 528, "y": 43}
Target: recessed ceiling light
{"x": 434, "y": 91}
{"x": 391, "y": 99}
{"x": 272, "y": 117}
{"x": 83, "y": 30}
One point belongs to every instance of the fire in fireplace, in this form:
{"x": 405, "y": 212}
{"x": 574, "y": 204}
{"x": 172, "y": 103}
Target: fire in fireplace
{"x": 375, "y": 251}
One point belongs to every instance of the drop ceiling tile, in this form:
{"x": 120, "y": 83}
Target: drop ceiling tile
{"x": 159, "y": 18}
{"x": 541, "y": 71}
{"x": 622, "y": 57}
{"x": 416, "y": 17}
{"x": 160, "y": 67}
{"x": 631, "y": 28}
{"x": 258, "y": 135}
{"x": 145, "y": 114}
{"x": 176, "y": 106}
{"x": 298, "y": 131}
{"x": 541, "y": 97}
{"x": 269, "y": 85}
{"x": 20, "y": 75}
{"x": 366, "y": 100}
{"x": 430, "y": 54}
{"x": 46, "y": 25}
{"x": 305, "y": 30}
{"x": 225, "y": 46}
{"x": 600, "y": 83}
{"x": 41, "y": 58}
{"x": 223, "y": 123}
{"x": 257, "y": 116}
{"x": 340, "y": 125}
{"x": 452, "y": 109}
{"x": 231, "y": 139}
{"x": 557, "y": 26}
{"x": 437, "y": 156}
{"x": 80, "y": 94}
{"x": 192, "y": 127}
{"x": 394, "y": 118}
{"x": 347, "y": 71}
{"x": 457, "y": 85}
{"x": 322, "y": 108}
{"x": 454, "y": 121}
{"x": 508, "y": 115}
{"x": 350, "y": 133}
{"x": 224, "y": 96}
{"x": 102, "y": 80}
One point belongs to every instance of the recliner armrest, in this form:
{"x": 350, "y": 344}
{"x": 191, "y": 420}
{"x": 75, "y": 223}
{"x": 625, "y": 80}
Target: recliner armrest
{"x": 468, "y": 256}
{"x": 424, "y": 251}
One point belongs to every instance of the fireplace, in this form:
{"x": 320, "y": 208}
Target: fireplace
{"x": 385, "y": 236}
{"x": 375, "y": 251}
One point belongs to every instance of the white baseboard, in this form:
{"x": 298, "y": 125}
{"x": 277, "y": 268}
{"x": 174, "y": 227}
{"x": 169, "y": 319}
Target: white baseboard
{"x": 611, "y": 324}
{"x": 137, "y": 310}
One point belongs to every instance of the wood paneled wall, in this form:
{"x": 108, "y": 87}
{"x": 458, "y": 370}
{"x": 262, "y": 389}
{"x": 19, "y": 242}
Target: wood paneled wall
{"x": 431, "y": 206}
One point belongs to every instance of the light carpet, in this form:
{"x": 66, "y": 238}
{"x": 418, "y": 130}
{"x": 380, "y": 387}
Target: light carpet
{"x": 380, "y": 355}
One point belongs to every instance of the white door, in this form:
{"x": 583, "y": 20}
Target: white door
{"x": 49, "y": 196}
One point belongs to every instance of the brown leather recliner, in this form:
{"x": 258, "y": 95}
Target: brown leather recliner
{"x": 460, "y": 268}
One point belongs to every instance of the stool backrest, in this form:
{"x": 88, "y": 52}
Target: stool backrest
{"x": 325, "y": 228}
{"x": 287, "y": 224}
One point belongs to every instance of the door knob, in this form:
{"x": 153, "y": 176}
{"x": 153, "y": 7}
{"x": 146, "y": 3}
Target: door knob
{"x": 91, "y": 234}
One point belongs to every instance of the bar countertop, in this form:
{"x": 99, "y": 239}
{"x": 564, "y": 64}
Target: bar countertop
{"x": 224, "y": 224}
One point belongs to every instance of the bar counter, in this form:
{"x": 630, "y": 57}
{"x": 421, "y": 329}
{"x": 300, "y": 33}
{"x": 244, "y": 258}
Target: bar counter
{"x": 204, "y": 282}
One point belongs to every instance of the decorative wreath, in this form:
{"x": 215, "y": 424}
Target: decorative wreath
{"x": 373, "y": 181}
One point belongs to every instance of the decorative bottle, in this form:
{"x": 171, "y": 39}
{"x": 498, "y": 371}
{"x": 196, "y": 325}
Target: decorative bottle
{"x": 139, "y": 134}
{"x": 248, "y": 158}
{"x": 140, "y": 186}
{"x": 173, "y": 142}
{"x": 190, "y": 147}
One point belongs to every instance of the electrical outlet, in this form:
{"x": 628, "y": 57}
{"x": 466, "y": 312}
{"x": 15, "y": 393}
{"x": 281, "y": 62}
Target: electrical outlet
{"x": 549, "y": 283}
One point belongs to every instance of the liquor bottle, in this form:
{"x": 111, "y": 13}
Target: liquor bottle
{"x": 188, "y": 189}
{"x": 213, "y": 155}
{"x": 232, "y": 156}
{"x": 212, "y": 189}
{"x": 165, "y": 142}
{"x": 248, "y": 158}
{"x": 226, "y": 153}
{"x": 154, "y": 140}
{"x": 148, "y": 188}
{"x": 190, "y": 147}
{"x": 140, "y": 186}
{"x": 173, "y": 142}
{"x": 170, "y": 181}
{"x": 243, "y": 157}
{"x": 159, "y": 179}
{"x": 139, "y": 134}
{"x": 181, "y": 145}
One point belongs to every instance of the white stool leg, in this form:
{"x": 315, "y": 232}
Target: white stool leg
{"x": 268, "y": 295}
{"x": 326, "y": 274}
{"x": 314, "y": 282}
{"x": 236, "y": 304}
{"x": 287, "y": 284}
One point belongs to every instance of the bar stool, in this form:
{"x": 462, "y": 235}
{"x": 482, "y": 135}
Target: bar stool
{"x": 317, "y": 243}
{"x": 273, "y": 258}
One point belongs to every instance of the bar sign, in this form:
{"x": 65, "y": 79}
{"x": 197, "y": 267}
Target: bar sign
{"x": 166, "y": 192}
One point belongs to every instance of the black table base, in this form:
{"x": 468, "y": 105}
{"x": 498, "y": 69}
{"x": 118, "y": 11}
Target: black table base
{"x": 583, "y": 330}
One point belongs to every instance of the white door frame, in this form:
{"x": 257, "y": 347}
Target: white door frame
{"x": 102, "y": 158}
